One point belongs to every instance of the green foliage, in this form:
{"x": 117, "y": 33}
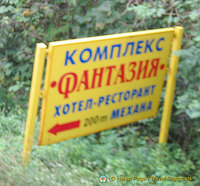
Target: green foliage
{"x": 120, "y": 152}
{"x": 23, "y": 23}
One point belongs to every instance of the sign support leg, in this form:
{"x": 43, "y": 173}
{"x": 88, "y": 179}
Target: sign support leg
{"x": 38, "y": 68}
{"x": 171, "y": 81}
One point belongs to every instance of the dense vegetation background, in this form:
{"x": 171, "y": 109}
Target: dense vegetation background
{"x": 125, "y": 151}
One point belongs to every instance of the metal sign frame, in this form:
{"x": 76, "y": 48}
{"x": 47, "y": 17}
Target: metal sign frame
{"x": 35, "y": 94}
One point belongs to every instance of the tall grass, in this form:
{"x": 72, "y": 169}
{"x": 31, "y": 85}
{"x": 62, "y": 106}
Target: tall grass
{"x": 119, "y": 152}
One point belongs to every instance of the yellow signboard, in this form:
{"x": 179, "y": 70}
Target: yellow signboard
{"x": 97, "y": 83}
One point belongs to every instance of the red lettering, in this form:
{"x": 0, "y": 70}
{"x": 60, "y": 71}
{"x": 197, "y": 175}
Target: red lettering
{"x": 68, "y": 87}
{"x": 120, "y": 74}
{"x": 84, "y": 80}
{"x": 154, "y": 67}
{"x": 133, "y": 64}
{"x": 110, "y": 69}
{"x": 142, "y": 69}
{"x": 100, "y": 75}
{"x": 71, "y": 82}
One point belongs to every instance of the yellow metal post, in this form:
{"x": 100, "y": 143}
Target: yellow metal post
{"x": 38, "y": 68}
{"x": 171, "y": 81}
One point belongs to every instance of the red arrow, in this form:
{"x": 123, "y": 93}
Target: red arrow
{"x": 62, "y": 127}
